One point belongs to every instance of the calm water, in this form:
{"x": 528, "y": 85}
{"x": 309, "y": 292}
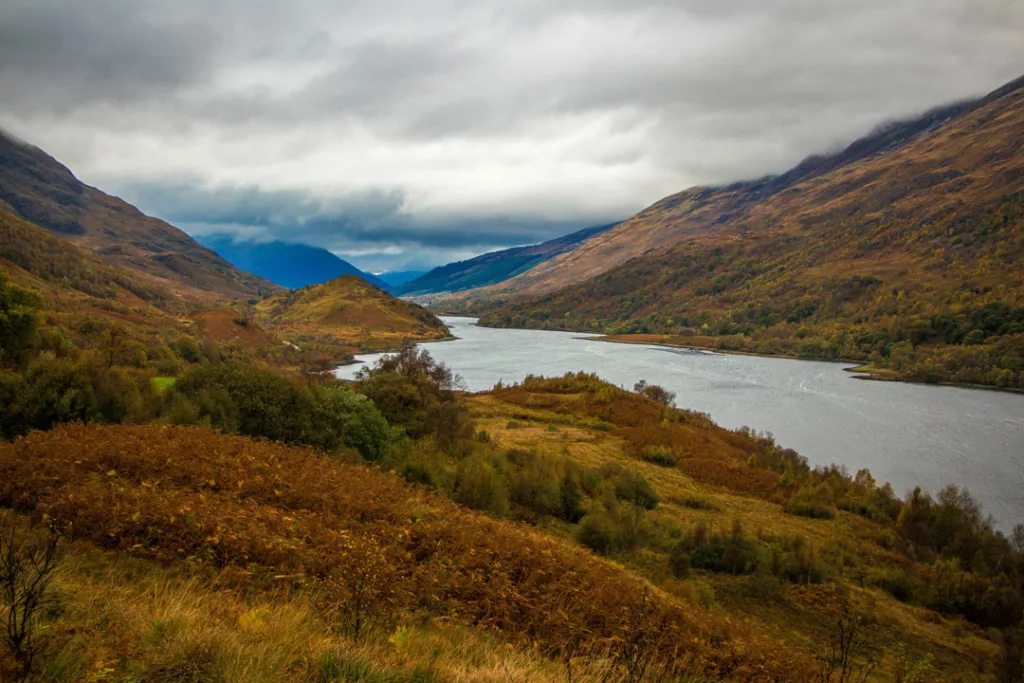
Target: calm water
{"x": 905, "y": 434}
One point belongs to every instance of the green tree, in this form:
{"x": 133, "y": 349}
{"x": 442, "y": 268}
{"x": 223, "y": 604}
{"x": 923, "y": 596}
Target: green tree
{"x": 342, "y": 417}
{"x": 18, "y": 319}
{"x": 416, "y": 392}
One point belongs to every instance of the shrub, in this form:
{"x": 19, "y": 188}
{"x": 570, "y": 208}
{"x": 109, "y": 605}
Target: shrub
{"x": 416, "y": 392}
{"x": 265, "y": 403}
{"x": 52, "y": 391}
{"x": 27, "y": 563}
{"x": 660, "y": 455}
{"x": 804, "y": 503}
{"x": 342, "y": 418}
{"x": 655, "y": 393}
{"x": 731, "y": 553}
{"x": 633, "y": 487}
{"x": 18, "y": 319}
{"x": 536, "y": 482}
{"x": 479, "y": 486}
{"x": 597, "y": 531}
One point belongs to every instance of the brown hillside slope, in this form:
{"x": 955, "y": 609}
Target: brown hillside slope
{"x": 259, "y": 513}
{"x": 697, "y": 213}
{"x": 70, "y": 280}
{"x": 41, "y": 190}
{"x": 351, "y": 312}
{"x": 920, "y": 246}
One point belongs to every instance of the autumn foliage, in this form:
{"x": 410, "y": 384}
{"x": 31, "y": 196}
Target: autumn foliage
{"x": 382, "y": 548}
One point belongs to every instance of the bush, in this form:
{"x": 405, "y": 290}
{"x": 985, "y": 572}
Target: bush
{"x": 655, "y": 393}
{"x": 342, "y": 418}
{"x": 18, "y": 319}
{"x": 250, "y": 400}
{"x": 480, "y": 486}
{"x": 414, "y": 391}
{"x": 254, "y": 401}
{"x": 731, "y": 553}
{"x": 660, "y": 455}
{"x": 612, "y": 526}
{"x": 597, "y": 531}
{"x": 632, "y": 487}
{"x": 52, "y": 391}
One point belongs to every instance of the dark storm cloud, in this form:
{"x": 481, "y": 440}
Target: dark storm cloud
{"x": 414, "y": 128}
{"x": 370, "y": 225}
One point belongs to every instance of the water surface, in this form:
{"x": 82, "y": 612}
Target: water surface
{"x": 905, "y": 434}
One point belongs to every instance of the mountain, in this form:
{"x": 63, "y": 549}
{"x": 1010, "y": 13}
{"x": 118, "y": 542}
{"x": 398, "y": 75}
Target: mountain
{"x": 701, "y": 211}
{"x": 400, "y": 277}
{"x": 36, "y": 187}
{"x": 288, "y": 264}
{"x": 496, "y": 266}
{"x": 905, "y": 250}
{"x": 71, "y": 281}
{"x": 348, "y": 311}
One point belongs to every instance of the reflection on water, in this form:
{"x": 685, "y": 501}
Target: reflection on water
{"x": 905, "y": 434}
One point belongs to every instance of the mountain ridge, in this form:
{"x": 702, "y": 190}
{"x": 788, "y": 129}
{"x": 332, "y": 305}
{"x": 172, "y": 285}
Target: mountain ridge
{"x": 288, "y": 264}
{"x": 703, "y": 209}
{"x": 906, "y": 257}
{"x": 496, "y": 267}
{"x": 41, "y": 190}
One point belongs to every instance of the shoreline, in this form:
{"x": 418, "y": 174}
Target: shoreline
{"x": 859, "y": 369}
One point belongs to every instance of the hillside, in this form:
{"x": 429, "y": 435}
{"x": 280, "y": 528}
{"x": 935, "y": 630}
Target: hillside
{"x": 285, "y": 263}
{"x": 39, "y": 189}
{"x": 904, "y": 251}
{"x": 701, "y": 212}
{"x": 197, "y": 555}
{"x": 350, "y": 312}
{"x": 497, "y": 266}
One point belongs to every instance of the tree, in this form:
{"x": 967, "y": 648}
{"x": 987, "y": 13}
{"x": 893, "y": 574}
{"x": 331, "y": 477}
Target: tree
{"x": 27, "y": 563}
{"x": 655, "y": 393}
{"x": 343, "y": 418}
{"x": 416, "y": 392}
{"x": 18, "y": 319}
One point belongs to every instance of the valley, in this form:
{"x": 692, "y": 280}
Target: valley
{"x": 644, "y": 453}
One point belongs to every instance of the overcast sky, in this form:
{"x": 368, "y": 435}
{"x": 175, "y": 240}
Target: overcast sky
{"x": 408, "y": 133}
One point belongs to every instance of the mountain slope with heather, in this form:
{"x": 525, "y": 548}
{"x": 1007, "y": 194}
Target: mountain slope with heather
{"x": 348, "y": 311}
{"x": 909, "y": 256}
{"x": 700, "y": 212}
{"x": 497, "y": 266}
{"x": 36, "y": 187}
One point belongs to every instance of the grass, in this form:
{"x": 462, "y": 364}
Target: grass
{"x": 796, "y": 615}
{"x": 162, "y": 384}
{"x": 119, "y": 618}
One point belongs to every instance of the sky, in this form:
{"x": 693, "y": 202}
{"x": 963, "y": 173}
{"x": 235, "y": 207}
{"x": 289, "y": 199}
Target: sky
{"x": 404, "y": 134}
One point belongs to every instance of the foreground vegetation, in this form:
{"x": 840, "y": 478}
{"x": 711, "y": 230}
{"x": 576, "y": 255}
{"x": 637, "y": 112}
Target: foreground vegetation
{"x": 243, "y": 524}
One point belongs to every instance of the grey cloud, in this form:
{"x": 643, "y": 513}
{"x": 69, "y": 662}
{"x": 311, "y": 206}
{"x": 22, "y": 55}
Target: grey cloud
{"x": 370, "y": 228}
{"x": 446, "y": 124}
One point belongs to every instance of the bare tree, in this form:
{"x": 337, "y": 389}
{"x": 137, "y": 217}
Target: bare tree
{"x": 27, "y": 563}
{"x": 846, "y": 644}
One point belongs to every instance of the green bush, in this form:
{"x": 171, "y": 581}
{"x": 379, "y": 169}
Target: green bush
{"x": 255, "y": 401}
{"x": 415, "y": 392}
{"x": 480, "y": 486}
{"x": 597, "y": 531}
{"x": 731, "y": 553}
{"x": 343, "y": 418}
{"x": 660, "y": 455}
{"x": 250, "y": 400}
{"x": 18, "y": 319}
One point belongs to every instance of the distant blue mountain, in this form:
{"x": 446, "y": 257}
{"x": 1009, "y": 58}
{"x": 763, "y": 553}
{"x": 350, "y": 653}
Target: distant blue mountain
{"x": 496, "y": 266}
{"x": 400, "y": 277}
{"x": 285, "y": 263}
